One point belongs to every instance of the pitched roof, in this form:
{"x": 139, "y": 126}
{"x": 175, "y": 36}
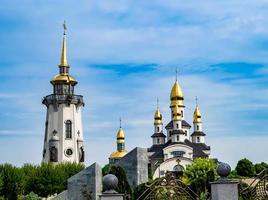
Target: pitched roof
{"x": 198, "y": 149}
{"x": 158, "y": 135}
{"x": 183, "y": 123}
{"x": 198, "y": 133}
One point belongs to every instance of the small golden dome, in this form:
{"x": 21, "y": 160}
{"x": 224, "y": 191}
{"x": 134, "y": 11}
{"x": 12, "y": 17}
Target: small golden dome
{"x": 120, "y": 134}
{"x": 197, "y": 115}
{"x": 63, "y": 78}
{"x": 118, "y": 154}
{"x": 176, "y": 95}
{"x": 157, "y": 117}
{"x": 176, "y": 113}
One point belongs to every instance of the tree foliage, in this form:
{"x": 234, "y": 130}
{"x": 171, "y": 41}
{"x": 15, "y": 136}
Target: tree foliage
{"x": 200, "y": 173}
{"x": 260, "y": 167}
{"x": 43, "y": 180}
{"x": 245, "y": 168}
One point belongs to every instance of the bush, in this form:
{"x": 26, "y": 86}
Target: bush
{"x": 245, "y": 168}
{"x": 32, "y": 196}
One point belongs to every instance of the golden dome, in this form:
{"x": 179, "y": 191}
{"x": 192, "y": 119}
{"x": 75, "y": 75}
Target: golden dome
{"x": 176, "y": 113}
{"x": 157, "y": 117}
{"x": 176, "y": 95}
{"x": 120, "y": 134}
{"x": 118, "y": 154}
{"x": 197, "y": 115}
{"x": 63, "y": 78}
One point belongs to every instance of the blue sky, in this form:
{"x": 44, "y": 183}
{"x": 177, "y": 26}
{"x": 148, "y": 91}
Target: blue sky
{"x": 124, "y": 54}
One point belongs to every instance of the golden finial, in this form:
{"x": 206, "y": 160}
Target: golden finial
{"x": 64, "y": 62}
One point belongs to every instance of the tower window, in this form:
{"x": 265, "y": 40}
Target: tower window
{"x": 158, "y": 129}
{"x": 197, "y": 127}
{"x": 198, "y": 139}
{"x": 182, "y": 113}
{"x": 177, "y": 125}
{"x": 178, "y": 138}
{"x": 158, "y": 140}
{"x": 68, "y": 129}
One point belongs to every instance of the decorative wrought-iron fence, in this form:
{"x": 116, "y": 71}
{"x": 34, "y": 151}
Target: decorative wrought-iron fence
{"x": 168, "y": 188}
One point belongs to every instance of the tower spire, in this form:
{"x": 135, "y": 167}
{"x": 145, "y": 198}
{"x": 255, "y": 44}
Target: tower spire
{"x": 64, "y": 62}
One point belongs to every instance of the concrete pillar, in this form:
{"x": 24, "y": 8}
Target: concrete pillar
{"x": 224, "y": 188}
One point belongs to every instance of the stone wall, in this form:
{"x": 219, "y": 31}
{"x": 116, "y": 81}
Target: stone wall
{"x": 135, "y": 164}
{"x": 86, "y": 183}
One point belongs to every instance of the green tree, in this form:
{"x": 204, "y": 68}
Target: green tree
{"x": 123, "y": 185}
{"x": 200, "y": 173}
{"x": 260, "y": 166}
{"x": 245, "y": 168}
{"x": 11, "y": 181}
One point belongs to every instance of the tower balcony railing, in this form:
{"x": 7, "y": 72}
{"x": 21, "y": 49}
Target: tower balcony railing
{"x": 63, "y": 98}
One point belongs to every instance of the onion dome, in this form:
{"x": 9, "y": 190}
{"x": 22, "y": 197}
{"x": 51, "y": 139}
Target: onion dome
{"x": 121, "y": 152}
{"x": 157, "y": 117}
{"x": 197, "y": 115}
{"x": 120, "y": 136}
{"x": 176, "y": 113}
{"x": 176, "y": 95}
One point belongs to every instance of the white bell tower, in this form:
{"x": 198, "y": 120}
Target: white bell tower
{"x": 63, "y": 140}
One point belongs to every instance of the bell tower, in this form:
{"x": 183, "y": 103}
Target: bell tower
{"x": 63, "y": 140}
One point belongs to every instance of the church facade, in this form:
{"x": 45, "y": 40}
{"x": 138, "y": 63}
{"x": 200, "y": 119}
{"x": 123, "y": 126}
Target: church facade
{"x": 63, "y": 141}
{"x": 179, "y": 146}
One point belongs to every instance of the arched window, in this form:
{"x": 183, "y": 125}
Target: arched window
{"x": 182, "y": 113}
{"x": 68, "y": 129}
{"x": 178, "y": 138}
{"x": 198, "y": 139}
{"x": 177, "y": 125}
{"x": 158, "y": 140}
{"x": 158, "y": 129}
{"x": 197, "y": 127}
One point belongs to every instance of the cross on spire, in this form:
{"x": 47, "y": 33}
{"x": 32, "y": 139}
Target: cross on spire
{"x": 176, "y": 73}
{"x": 157, "y": 103}
{"x": 196, "y": 101}
{"x": 120, "y": 122}
{"x": 64, "y": 27}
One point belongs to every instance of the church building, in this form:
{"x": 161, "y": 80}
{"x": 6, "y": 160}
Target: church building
{"x": 63, "y": 141}
{"x": 178, "y": 147}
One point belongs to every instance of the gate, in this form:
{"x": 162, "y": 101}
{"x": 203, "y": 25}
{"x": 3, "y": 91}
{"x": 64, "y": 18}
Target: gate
{"x": 258, "y": 189}
{"x": 168, "y": 188}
